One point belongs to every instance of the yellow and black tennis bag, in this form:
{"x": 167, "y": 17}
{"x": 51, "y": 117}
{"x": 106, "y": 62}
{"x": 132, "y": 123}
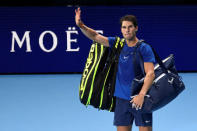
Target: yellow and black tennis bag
{"x": 97, "y": 83}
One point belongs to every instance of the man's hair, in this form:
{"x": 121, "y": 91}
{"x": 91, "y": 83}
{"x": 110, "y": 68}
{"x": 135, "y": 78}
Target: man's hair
{"x": 130, "y": 18}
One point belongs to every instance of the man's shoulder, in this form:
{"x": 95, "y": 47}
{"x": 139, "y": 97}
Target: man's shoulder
{"x": 113, "y": 40}
{"x": 144, "y": 45}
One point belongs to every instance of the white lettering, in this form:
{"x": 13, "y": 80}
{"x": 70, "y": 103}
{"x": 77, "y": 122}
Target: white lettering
{"x": 20, "y": 42}
{"x": 69, "y": 40}
{"x": 54, "y": 41}
{"x": 26, "y": 38}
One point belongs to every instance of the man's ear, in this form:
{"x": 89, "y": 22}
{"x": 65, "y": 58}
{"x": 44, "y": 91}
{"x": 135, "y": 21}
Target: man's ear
{"x": 121, "y": 29}
{"x": 136, "y": 28}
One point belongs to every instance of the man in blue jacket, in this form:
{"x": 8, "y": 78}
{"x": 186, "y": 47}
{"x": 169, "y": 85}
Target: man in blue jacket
{"x": 123, "y": 115}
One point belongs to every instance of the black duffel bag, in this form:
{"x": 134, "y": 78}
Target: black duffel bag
{"x": 166, "y": 86}
{"x": 97, "y": 83}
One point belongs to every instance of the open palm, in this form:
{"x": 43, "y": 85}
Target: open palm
{"x": 78, "y": 16}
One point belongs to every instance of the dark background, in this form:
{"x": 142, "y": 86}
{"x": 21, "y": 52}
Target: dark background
{"x": 93, "y": 2}
{"x": 170, "y": 27}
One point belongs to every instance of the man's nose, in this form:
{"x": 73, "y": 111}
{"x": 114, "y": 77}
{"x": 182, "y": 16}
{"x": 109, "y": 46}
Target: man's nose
{"x": 127, "y": 29}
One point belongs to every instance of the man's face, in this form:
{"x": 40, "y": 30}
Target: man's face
{"x": 128, "y": 30}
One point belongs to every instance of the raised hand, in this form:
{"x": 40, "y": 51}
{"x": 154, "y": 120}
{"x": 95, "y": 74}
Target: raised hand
{"x": 78, "y": 21}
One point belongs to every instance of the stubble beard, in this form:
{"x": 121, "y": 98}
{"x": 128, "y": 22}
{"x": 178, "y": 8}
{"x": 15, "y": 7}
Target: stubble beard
{"x": 131, "y": 38}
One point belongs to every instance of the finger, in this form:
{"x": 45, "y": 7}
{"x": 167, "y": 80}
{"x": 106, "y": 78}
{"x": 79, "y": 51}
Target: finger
{"x": 140, "y": 106}
{"x": 133, "y": 105}
{"x": 133, "y": 96}
{"x": 79, "y": 10}
{"x": 137, "y": 107}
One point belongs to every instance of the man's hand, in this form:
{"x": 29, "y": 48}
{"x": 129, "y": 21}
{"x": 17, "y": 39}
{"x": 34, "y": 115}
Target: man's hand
{"x": 88, "y": 32}
{"x": 137, "y": 101}
{"x": 78, "y": 21}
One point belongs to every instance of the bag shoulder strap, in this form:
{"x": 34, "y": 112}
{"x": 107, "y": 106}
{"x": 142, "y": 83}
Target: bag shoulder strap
{"x": 118, "y": 44}
{"x": 141, "y": 61}
{"x": 158, "y": 59}
{"x": 138, "y": 64}
{"x": 116, "y": 49}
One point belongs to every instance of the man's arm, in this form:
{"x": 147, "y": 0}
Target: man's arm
{"x": 148, "y": 80}
{"x": 88, "y": 32}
